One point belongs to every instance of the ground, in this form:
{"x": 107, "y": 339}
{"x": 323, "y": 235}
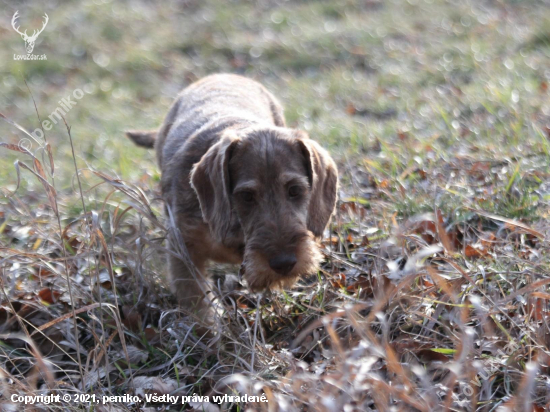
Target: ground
{"x": 434, "y": 291}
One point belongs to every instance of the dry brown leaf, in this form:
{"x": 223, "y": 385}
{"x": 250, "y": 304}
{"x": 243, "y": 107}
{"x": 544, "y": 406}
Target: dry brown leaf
{"x": 151, "y": 335}
{"x": 132, "y": 318}
{"x": 474, "y": 252}
{"x": 338, "y": 281}
{"x": 488, "y": 240}
{"x": 536, "y": 308}
{"x": 49, "y": 295}
{"x": 350, "y": 109}
{"x": 442, "y": 233}
{"x": 42, "y": 272}
{"x": 402, "y": 135}
{"x": 428, "y": 355}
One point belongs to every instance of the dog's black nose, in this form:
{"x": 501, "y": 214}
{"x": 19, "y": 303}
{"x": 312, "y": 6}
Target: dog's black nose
{"x": 283, "y": 264}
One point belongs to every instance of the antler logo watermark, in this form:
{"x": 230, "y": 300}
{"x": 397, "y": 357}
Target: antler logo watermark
{"x": 29, "y": 40}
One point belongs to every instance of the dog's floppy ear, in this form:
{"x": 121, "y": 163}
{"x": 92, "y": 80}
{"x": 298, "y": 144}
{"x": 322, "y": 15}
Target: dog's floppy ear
{"x": 323, "y": 179}
{"x": 210, "y": 180}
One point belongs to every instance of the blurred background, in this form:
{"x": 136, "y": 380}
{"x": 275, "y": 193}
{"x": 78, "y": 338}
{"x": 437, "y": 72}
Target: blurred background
{"x": 360, "y": 76}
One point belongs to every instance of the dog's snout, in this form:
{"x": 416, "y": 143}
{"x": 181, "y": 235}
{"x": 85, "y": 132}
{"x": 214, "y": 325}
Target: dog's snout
{"x": 283, "y": 264}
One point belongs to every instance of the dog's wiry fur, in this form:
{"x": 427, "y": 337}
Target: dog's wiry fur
{"x": 242, "y": 187}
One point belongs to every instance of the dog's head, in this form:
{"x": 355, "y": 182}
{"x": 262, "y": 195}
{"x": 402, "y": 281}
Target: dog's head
{"x": 277, "y": 188}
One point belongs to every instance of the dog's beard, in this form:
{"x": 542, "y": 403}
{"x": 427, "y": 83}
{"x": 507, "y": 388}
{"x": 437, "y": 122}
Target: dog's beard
{"x": 260, "y": 276}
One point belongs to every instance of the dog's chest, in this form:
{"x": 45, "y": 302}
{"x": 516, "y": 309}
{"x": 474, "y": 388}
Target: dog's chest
{"x": 203, "y": 242}
{"x": 223, "y": 254}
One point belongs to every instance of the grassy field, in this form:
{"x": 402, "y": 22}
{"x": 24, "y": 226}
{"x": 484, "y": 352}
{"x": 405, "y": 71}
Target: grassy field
{"x": 434, "y": 293}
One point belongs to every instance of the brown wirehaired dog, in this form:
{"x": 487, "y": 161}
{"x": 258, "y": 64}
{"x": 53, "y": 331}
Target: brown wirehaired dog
{"x": 241, "y": 187}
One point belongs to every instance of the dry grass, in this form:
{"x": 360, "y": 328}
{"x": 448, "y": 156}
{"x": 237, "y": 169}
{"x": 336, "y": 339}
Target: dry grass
{"x": 430, "y": 313}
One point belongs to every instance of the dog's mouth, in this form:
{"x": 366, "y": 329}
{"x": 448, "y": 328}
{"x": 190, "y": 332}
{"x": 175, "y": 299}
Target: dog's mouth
{"x": 259, "y": 275}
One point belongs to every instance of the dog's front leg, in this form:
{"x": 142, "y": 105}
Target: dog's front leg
{"x": 188, "y": 280}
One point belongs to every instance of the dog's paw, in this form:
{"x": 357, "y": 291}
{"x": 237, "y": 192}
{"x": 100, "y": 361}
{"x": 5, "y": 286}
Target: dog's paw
{"x": 207, "y": 320}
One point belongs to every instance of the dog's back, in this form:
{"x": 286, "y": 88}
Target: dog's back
{"x": 215, "y": 103}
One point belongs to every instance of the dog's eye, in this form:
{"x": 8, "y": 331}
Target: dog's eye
{"x": 247, "y": 197}
{"x": 294, "y": 191}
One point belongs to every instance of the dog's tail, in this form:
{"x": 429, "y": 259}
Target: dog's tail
{"x": 143, "y": 138}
